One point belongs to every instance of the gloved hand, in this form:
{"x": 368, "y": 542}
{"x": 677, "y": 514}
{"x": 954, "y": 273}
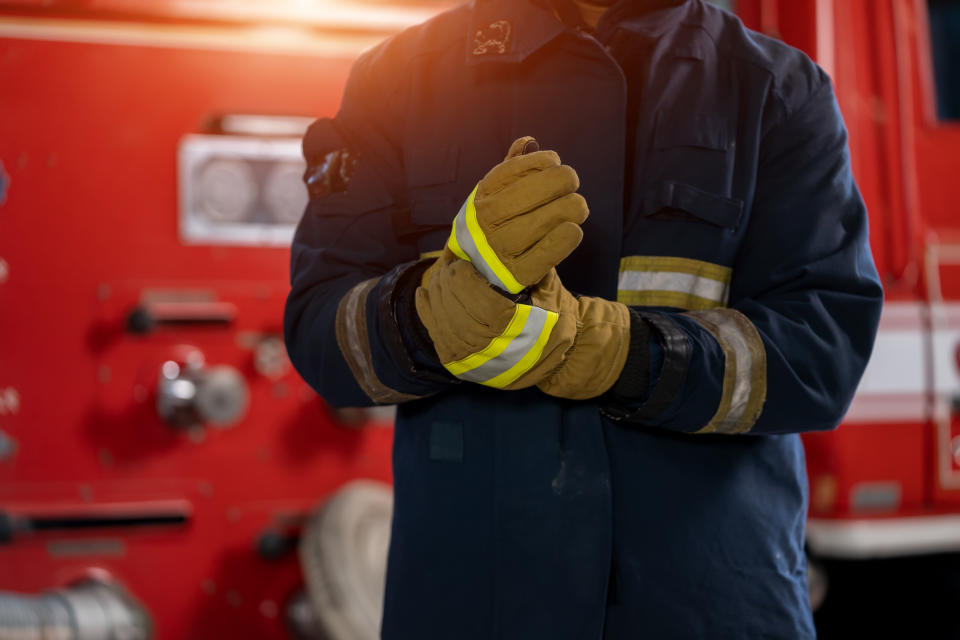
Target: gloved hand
{"x": 522, "y": 219}
{"x": 569, "y": 347}
{"x": 480, "y": 335}
{"x": 595, "y": 354}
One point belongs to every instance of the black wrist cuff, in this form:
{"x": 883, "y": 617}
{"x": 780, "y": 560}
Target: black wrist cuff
{"x": 676, "y": 358}
{"x": 634, "y": 380}
{"x": 409, "y": 343}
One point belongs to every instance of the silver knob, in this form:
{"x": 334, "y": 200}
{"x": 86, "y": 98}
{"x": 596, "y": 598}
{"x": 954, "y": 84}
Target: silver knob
{"x": 191, "y": 394}
{"x": 222, "y": 396}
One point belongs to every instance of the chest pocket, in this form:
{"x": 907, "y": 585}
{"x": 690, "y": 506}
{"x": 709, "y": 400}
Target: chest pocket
{"x": 680, "y": 251}
{"x": 691, "y": 176}
{"x": 435, "y": 195}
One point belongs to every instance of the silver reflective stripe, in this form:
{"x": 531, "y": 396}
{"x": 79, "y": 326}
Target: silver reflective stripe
{"x": 730, "y": 333}
{"x": 515, "y": 351}
{"x": 469, "y": 247}
{"x": 745, "y": 382}
{"x": 686, "y": 283}
{"x": 354, "y": 343}
{"x": 673, "y": 281}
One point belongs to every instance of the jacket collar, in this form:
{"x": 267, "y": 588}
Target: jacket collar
{"x": 508, "y": 31}
{"x": 652, "y": 23}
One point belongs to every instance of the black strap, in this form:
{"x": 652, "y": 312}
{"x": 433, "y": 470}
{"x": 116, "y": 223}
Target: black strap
{"x": 400, "y": 325}
{"x": 676, "y": 359}
{"x": 634, "y": 380}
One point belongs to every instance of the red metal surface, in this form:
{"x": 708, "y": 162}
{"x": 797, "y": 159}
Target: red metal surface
{"x": 88, "y": 136}
{"x": 869, "y": 85}
{"x": 906, "y": 163}
{"x": 857, "y": 455}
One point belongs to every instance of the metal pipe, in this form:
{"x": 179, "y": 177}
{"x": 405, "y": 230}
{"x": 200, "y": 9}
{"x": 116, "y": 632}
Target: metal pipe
{"x": 91, "y": 610}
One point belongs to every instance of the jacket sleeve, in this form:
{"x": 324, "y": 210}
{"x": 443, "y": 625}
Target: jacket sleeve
{"x": 346, "y": 325}
{"x": 788, "y": 352}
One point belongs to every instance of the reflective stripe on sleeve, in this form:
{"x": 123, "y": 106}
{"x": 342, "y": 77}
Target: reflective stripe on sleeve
{"x": 353, "y": 340}
{"x": 468, "y": 242}
{"x": 512, "y": 353}
{"x": 745, "y": 370}
{"x": 665, "y": 281}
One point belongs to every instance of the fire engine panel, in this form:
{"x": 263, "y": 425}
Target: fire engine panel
{"x": 160, "y": 462}
{"x": 159, "y": 458}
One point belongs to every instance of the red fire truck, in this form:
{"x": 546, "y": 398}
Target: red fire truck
{"x": 160, "y": 460}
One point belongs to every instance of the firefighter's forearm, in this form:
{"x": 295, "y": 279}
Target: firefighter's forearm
{"x": 752, "y": 370}
{"x": 357, "y": 348}
{"x": 309, "y": 334}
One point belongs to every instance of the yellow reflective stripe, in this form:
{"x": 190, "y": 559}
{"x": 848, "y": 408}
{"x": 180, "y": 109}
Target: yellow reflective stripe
{"x": 668, "y": 281}
{"x": 531, "y": 358}
{"x": 486, "y": 252}
{"x": 685, "y": 301}
{"x": 677, "y": 265}
{"x": 496, "y": 346}
{"x": 431, "y": 254}
{"x": 454, "y": 245}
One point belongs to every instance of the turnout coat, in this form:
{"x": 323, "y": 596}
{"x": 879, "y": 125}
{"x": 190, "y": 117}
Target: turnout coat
{"x": 715, "y": 164}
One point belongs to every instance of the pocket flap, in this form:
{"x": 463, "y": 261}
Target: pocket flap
{"x": 703, "y": 130}
{"x": 430, "y": 165}
{"x": 434, "y": 210}
{"x": 709, "y": 207}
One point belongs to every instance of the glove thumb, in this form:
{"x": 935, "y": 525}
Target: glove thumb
{"x": 522, "y": 146}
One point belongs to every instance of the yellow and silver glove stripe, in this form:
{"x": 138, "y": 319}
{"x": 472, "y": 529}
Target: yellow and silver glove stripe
{"x": 468, "y": 242}
{"x": 512, "y": 353}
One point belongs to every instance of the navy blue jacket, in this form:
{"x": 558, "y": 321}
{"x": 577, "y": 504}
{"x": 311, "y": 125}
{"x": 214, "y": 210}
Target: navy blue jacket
{"x": 723, "y": 210}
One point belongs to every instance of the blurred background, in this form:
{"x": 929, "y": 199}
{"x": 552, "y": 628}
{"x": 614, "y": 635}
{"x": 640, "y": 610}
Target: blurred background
{"x": 165, "y": 474}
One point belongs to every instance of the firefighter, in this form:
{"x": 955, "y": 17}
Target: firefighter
{"x": 603, "y": 351}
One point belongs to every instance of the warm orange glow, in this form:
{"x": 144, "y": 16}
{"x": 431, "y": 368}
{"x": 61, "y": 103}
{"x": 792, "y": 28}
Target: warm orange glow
{"x": 370, "y": 15}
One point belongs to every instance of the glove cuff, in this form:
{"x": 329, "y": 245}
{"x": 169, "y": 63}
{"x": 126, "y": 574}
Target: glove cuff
{"x": 409, "y": 344}
{"x": 634, "y": 380}
{"x": 595, "y": 360}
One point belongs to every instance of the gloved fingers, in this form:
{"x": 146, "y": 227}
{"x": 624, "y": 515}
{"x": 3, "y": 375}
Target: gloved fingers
{"x": 562, "y": 338}
{"x": 522, "y": 232}
{"x": 549, "y": 294}
{"x": 450, "y": 344}
{"x": 512, "y": 169}
{"x": 446, "y": 257}
{"x": 463, "y": 315}
{"x": 454, "y": 332}
{"x": 526, "y": 194}
{"x": 467, "y": 293}
{"x": 559, "y": 243}
{"x": 423, "y": 304}
{"x": 593, "y": 364}
{"x": 521, "y": 146}
{"x": 551, "y": 359}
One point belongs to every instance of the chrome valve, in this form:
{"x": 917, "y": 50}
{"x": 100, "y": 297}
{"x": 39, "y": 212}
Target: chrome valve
{"x": 191, "y": 394}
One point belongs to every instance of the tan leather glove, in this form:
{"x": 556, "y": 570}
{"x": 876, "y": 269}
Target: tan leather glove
{"x": 568, "y": 347}
{"x": 595, "y": 354}
{"x": 481, "y": 336}
{"x": 522, "y": 219}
